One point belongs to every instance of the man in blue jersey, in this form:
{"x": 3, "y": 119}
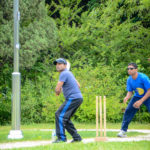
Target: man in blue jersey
{"x": 140, "y": 84}
{"x": 73, "y": 99}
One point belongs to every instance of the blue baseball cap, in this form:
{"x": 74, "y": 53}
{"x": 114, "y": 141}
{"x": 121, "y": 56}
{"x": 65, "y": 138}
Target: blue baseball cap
{"x": 60, "y": 61}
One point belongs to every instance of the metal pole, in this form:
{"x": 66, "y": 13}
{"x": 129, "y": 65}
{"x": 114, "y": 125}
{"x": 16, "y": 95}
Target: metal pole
{"x": 16, "y": 133}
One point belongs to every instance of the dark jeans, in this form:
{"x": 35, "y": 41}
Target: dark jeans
{"x": 131, "y": 111}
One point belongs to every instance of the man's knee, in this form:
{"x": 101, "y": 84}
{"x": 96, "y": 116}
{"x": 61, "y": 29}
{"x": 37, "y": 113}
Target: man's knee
{"x": 131, "y": 109}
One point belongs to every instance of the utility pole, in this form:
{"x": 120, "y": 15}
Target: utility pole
{"x": 15, "y": 132}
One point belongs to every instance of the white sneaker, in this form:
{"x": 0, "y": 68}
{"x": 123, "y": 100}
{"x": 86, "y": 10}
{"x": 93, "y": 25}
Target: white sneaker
{"x": 122, "y": 134}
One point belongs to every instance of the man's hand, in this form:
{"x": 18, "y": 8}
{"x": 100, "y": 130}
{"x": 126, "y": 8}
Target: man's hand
{"x": 137, "y": 104}
{"x": 125, "y": 99}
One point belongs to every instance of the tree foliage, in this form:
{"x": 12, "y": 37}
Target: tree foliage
{"x": 98, "y": 37}
{"x": 37, "y": 32}
{"x": 38, "y": 38}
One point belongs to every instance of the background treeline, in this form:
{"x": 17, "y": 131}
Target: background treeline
{"x": 98, "y": 37}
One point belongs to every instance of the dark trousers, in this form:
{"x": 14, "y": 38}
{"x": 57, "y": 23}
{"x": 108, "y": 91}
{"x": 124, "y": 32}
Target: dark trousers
{"x": 62, "y": 119}
{"x": 131, "y": 111}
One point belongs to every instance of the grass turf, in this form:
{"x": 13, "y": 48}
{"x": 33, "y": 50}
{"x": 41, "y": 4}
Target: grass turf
{"x": 133, "y": 125}
{"x": 32, "y": 131}
{"x": 34, "y": 135}
{"x": 142, "y": 145}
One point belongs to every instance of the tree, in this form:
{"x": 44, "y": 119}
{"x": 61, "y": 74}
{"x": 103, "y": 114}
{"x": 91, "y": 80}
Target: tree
{"x": 113, "y": 32}
{"x": 37, "y": 32}
{"x": 38, "y": 38}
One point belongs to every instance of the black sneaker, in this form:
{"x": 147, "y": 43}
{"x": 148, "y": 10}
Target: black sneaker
{"x": 76, "y": 140}
{"x": 58, "y": 141}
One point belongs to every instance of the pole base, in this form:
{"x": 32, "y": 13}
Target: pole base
{"x": 15, "y": 134}
{"x": 97, "y": 139}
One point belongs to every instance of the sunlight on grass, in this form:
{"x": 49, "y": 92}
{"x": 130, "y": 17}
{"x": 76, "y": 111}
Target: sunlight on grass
{"x": 34, "y": 135}
{"x": 32, "y": 131}
{"x": 133, "y": 125}
{"x": 143, "y": 145}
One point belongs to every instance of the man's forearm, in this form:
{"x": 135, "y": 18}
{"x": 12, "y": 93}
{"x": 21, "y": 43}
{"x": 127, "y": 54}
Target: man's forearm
{"x": 58, "y": 87}
{"x": 78, "y": 83}
{"x": 138, "y": 103}
{"x": 129, "y": 94}
{"x": 146, "y": 96}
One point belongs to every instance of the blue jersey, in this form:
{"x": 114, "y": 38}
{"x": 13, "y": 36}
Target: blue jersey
{"x": 140, "y": 85}
{"x": 70, "y": 87}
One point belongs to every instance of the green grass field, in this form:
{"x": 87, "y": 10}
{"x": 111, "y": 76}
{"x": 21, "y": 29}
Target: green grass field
{"x": 32, "y": 132}
{"x": 143, "y": 145}
{"x": 133, "y": 125}
{"x": 33, "y": 135}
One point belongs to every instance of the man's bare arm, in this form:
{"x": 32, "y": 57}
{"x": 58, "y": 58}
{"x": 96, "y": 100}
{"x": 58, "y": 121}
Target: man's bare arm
{"x": 138, "y": 103}
{"x": 78, "y": 83}
{"x": 58, "y": 87}
{"x": 128, "y": 96}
